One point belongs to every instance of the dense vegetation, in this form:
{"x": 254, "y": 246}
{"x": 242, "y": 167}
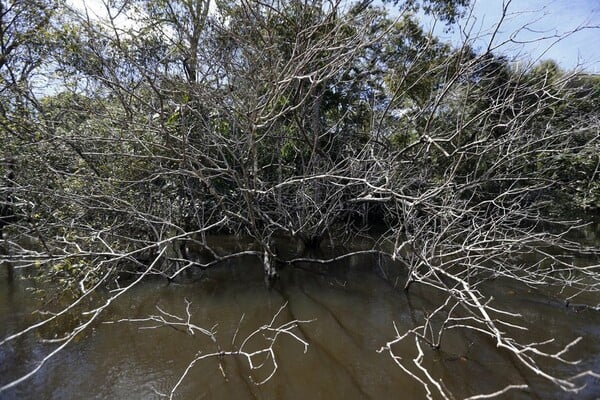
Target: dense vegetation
{"x": 126, "y": 140}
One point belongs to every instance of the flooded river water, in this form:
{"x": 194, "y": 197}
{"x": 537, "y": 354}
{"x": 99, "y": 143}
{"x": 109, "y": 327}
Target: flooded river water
{"x": 352, "y": 306}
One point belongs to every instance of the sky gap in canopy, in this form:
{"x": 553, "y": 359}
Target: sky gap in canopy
{"x": 567, "y": 31}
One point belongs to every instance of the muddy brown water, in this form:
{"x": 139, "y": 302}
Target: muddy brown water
{"x": 353, "y": 305}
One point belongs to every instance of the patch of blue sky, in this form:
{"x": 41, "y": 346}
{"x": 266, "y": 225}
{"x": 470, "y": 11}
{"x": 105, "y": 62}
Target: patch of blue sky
{"x": 566, "y": 31}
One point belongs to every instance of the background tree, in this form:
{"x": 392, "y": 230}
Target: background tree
{"x": 301, "y": 121}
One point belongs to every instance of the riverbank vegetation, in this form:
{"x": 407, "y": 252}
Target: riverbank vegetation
{"x": 128, "y": 140}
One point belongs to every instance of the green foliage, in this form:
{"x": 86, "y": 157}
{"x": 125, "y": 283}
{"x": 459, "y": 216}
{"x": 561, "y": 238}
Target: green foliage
{"x": 446, "y": 10}
{"x": 192, "y": 118}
